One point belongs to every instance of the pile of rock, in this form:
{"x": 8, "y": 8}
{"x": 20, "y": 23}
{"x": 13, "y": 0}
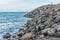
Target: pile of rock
{"x": 45, "y": 24}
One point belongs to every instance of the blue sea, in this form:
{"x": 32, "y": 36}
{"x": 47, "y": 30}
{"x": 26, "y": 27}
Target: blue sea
{"x": 11, "y": 22}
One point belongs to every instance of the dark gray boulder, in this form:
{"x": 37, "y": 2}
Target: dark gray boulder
{"x": 7, "y": 36}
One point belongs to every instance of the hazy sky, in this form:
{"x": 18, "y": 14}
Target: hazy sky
{"x": 23, "y": 5}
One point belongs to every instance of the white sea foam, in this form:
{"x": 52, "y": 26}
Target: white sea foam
{"x": 11, "y": 22}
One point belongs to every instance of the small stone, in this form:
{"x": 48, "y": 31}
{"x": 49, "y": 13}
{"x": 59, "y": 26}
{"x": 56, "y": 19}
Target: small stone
{"x": 45, "y": 30}
{"x": 40, "y": 26}
{"x": 57, "y": 27}
{"x": 53, "y": 26}
{"x": 51, "y": 31}
{"x": 57, "y": 34}
{"x": 30, "y": 23}
{"x": 57, "y": 19}
{"x": 41, "y": 36}
{"x": 39, "y": 21}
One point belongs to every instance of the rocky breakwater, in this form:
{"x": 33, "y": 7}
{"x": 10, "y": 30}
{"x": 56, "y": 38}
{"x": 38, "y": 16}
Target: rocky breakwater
{"x": 45, "y": 24}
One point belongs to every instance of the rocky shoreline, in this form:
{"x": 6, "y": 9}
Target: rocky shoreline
{"x": 45, "y": 24}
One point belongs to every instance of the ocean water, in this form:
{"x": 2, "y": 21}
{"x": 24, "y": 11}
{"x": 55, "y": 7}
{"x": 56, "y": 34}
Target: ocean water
{"x": 11, "y": 22}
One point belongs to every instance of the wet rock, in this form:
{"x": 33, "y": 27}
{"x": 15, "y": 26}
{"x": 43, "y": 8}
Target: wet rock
{"x": 7, "y": 36}
{"x": 19, "y": 34}
{"x": 14, "y": 36}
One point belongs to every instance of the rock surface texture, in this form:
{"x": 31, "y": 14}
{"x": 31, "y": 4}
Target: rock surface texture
{"x": 44, "y": 25}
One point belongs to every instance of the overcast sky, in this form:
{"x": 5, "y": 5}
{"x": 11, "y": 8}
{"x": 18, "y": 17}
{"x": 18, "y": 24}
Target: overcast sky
{"x": 22, "y": 5}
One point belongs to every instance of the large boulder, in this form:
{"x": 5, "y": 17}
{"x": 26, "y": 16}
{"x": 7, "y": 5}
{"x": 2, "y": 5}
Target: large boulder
{"x": 26, "y": 36}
